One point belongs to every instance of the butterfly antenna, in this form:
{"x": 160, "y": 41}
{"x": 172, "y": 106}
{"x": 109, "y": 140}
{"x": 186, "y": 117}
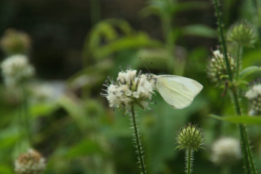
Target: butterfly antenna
{"x": 144, "y": 65}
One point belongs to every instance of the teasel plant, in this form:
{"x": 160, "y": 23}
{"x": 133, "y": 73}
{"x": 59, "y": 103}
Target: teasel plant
{"x": 191, "y": 139}
{"x": 226, "y": 68}
{"x": 130, "y": 90}
{"x": 17, "y": 72}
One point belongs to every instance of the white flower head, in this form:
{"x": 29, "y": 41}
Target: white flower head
{"x": 129, "y": 89}
{"x": 31, "y": 162}
{"x": 16, "y": 70}
{"x": 254, "y": 96}
{"x": 217, "y": 70}
{"x": 226, "y": 151}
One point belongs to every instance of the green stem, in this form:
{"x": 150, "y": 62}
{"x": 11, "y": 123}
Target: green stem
{"x": 27, "y": 125}
{"x": 189, "y": 158}
{"x": 225, "y": 170}
{"x": 245, "y": 145}
{"x": 95, "y": 11}
{"x": 247, "y": 155}
{"x": 255, "y": 5}
{"x": 137, "y": 140}
{"x": 238, "y": 59}
{"x": 222, "y": 38}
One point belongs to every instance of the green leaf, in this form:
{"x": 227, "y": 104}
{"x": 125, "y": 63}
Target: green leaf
{"x": 200, "y": 30}
{"x": 6, "y": 169}
{"x": 182, "y": 6}
{"x": 249, "y": 70}
{"x": 244, "y": 119}
{"x": 83, "y": 148}
{"x": 43, "y": 109}
{"x": 129, "y": 42}
{"x": 76, "y": 111}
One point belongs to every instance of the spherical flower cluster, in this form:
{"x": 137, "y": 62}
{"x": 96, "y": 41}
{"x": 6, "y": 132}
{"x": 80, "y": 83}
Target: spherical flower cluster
{"x": 242, "y": 33}
{"x": 217, "y": 70}
{"x": 129, "y": 89}
{"x": 226, "y": 151}
{"x": 254, "y": 96}
{"x": 190, "y": 137}
{"x": 16, "y": 70}
{"x": 31, "y": 162}
{"x": 15, "y": 42}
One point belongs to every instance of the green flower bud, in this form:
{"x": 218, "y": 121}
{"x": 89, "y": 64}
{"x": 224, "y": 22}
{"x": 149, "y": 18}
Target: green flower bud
{"x": 243, "y": 33}
{"x": 190, "y": 137}
{"x": 217, "y": 70}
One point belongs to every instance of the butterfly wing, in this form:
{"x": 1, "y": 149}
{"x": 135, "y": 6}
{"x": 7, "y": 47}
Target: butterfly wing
{"x": 177, "y": 91}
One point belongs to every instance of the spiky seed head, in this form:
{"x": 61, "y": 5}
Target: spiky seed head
{"x": 15, "y": 42}
{"x": 254, "y": 96}
{"x": 217, "y": 70}
{"x": 190, "y": 137}
{"x": 226, "y": 151}
{"x": 243, "y": 33}
{"x": 31, "y": 162}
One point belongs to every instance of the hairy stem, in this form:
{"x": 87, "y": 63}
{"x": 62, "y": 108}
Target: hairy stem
{"x": 248, "y": 159}
{"x": 27, "y": 125}
{"x": 137, "y": 140}
{"x": 238, "y": 59}
{"x": 189, "y": 160}
{"x": 225, "y": 170}
{"x": 222, "y": 38}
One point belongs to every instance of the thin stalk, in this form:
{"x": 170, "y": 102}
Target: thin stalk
{"x": 238, "y": 59}
{"x": 255, "y": 5}
{"x": 95, "y": 11}
{"x": 27, "y": 125}
{"x": 248, "y": 159}
{"x": 222, "y": 38}
{"x": 189, "y": 160}
{"x": 225, "y": 170}
{"x": 137, "y": 140}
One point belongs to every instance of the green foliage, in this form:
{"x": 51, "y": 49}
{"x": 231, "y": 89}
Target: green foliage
{"x": 244, "y": 119}
{"x": 79, "y": 133}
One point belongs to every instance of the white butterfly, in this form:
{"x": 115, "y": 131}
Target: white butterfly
{"x": 177, "y": 91}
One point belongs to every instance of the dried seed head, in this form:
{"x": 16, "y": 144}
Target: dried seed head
{"x": 31, "y": 162}
{"x": 15, "y": 42}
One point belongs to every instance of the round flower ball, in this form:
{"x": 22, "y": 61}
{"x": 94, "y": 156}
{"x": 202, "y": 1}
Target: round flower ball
{"x": 226, "y": 151}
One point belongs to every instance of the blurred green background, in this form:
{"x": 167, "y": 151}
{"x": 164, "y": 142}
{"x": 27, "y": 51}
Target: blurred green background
{"x": 76, "y": 44}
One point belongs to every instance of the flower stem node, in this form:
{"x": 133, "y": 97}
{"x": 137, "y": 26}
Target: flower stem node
{"x": 217, "y": 70}
{"x": 242, "y": 33}
{"x": 129, "y": 89}
{"x": 31, "y": 162}
{"x": 190, "y": 137}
